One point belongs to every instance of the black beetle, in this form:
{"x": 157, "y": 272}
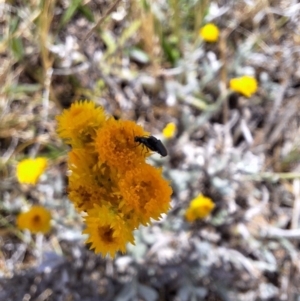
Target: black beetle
{"x": 153, "y": 144}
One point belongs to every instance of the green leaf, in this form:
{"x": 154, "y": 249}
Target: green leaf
{"x": 172, "y": 54}
{"x": 139, "y": 55}
{"x": 69, "y": 13}
{"x": 54, "y": 152}
{"x": 85, "y": 10}
{"x": 17, "y": 48}
{"x": 28, "y": 88}
{"x": 13, "y": 25}
{"x": 109, "y": 41}
{"x": 129, "y": 32}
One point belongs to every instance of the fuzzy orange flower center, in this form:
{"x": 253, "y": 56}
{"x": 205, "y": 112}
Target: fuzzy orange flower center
{"x": 106, "y": 234}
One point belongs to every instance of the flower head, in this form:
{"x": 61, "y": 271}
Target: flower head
{"x": 209, "y": 32}
{"x": 29, "y": 170}
{"x": 170, "y": 130}
{"x": 246, "y": 85}
{"x": 116, "y": 146}
{"x": 109, "y": 179}
{"x": 145, "y": 193}
{"x": 90, "y": 182}
{"x": 37, "y": 219}
{"x": 79, "y": 123}
{"x": 199, "y": 207}
{"x": 81, "y": 163}
{"x": 108, "y": 231}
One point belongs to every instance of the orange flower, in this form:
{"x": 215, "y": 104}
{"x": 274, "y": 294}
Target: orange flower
{"x": 81, "y": 163}
{"x": 246, "y": 85}
{"x": 30, "y": 170}
{"x": 145, "y": 193}
{"x": 90, "y": 182}
{"x": 209, "y": 32}
{"x": 199, "y": 207}
{"x": 116, "y": 146}
{"x": 79, "y": 123}
{"x": 109, "y": 179}
{"x": 37, "y": 219}
{"x": 85, "y": 197}
{"x": 108, "y": 231}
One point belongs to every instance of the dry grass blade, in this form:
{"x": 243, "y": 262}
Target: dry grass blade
{"x": 100, "y": 21}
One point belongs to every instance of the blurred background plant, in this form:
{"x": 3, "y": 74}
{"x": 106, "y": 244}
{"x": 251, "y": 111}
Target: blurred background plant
{"x": 232, "y": 141}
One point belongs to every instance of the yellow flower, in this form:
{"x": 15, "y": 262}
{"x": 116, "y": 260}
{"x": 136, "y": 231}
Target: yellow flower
{"x": 81, "y": 163}
{"x": 85, "y": 197}
{"x": 82, "y": 184}
{"x": 116, "y": 146}
{"x": 145, "y": 193}
{"x": 199, "y": 207}
{"x": 79, "y": 123}
{"x": 209, "y": 32}
{"x": 170, "y": 130}
{"x": 81, "y": 196}
{"x": 108, "y": 232}
{"x": 29, "y": 170}
{"x": 90, "y": 182}
{"x": 37, "y": 219}
{"x": 246, "y": 85}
